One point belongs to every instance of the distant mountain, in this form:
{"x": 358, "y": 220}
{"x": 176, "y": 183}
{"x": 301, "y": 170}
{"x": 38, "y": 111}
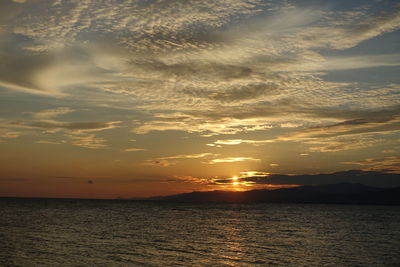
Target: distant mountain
{"x": 342, "y": 193}
{"x": 370, "y": 178}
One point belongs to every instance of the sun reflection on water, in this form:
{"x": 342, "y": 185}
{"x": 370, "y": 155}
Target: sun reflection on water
{"x": 232, "y": 254}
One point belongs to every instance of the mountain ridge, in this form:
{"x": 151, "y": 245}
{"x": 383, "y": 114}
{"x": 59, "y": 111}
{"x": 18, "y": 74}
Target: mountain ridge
{"x": 340, "y": 193}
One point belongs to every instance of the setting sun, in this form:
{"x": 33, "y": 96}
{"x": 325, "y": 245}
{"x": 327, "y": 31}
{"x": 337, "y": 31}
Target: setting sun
{"x": 235, "y": 180}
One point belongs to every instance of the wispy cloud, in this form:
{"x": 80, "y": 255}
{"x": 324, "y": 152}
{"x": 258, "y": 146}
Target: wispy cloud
{"x": 51, "y": 113}
{"x": 134, "y": 149}
{"x": 355, "y": 62}
{"x": 233, "y": 55}
{"x": 333, "y": 144}
{"x": 194, "y": 180}
{"x": 159, "y": 163}
{"x": 368, "y": 129}
{"x": 372, "y": 178}
{"x": 351, "y": 134}
{"x": 241, "y": 141}
{"x": 87, "y": 141}
{"x": 388, "y": 164}
{"x": 173, "y": 160}
{"x": 5, "y": 133}
{"x": 200, "y": 124}
{"x": 232, "y": 160}
{"x": 190, "y": 156}
{"x": 71, "y": 126}
{"x": 45, "y": 122}
{"x": 49, "y": 142}
{"x": 225, "y": 73}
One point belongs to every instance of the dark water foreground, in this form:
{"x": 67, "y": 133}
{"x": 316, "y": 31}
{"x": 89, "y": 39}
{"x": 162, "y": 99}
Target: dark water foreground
{"x": 130, "y": 233}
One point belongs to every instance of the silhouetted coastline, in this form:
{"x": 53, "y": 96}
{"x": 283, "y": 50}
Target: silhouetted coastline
{"x": 342, "y": 193}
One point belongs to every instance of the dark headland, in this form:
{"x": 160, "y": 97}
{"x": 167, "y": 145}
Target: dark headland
{"x": 345, "y": 187}
{"x": 342, "y": 193}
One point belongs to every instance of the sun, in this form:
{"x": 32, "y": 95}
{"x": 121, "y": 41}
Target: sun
{"x": 235, "y": 180}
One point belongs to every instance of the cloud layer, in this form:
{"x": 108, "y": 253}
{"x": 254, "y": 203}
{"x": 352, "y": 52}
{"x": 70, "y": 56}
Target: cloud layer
{"x": 204, "y": 83}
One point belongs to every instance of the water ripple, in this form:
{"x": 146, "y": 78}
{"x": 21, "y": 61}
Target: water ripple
{"x": 130, "y": 233}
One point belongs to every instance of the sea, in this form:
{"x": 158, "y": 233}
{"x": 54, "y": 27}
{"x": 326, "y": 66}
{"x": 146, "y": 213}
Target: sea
{"x": 72, "y": 232}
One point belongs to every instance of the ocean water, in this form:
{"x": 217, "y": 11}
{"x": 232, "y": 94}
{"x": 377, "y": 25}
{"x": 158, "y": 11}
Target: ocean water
{"x": 132, "y": 233}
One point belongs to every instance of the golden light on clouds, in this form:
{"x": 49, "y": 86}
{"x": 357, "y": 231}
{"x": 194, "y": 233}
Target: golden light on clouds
{"x": 203, "y": 88}
{"x": 232, "y": 159}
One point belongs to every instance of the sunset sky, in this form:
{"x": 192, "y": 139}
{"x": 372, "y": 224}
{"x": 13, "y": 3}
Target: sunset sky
{"x": 133, "y": 98}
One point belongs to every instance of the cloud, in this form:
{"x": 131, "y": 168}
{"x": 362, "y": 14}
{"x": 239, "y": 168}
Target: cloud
{"x": 372, "y": 178}
{"x": 49, "y": 142}
{"x": 389, "y": 151}
{"x": 334, "y": 144}
{"x": 264, "y": 115}
{"x": 368, "y": 128}
{"x": 79, "y": 133}
{"x": 190, "y": 156}
{"x": 240, "y": 141}
{"x": 173, "y": 160}
{"x": 354, "y": 62}
{"x": 19, "y": 70}
{"x": 204, "y": 67}
{"x": 241, "y": 93}
{"x": 387, "y": 164}
{"x": 194, "y": 180}
{"x": 158, "y": 25}
{"x": 253, "y": 174}
{"x": 199, "y": 124}
{"x": 159, "y": 163}
{"x": 56, "y": 71}
{"x": 290, "y": 125}
{"x": 70, "y": 126}
{"x": 45, "y": 120}
{"x": 87, "y": 141}
{"x": 232, "y": 160}
{"x": 343, "y": 129}
{"x": 350, "y": 32}
{"x": 373, "y": 128}
{"x": 200, "y": 52}
{"x": 372, "y": 122}
{"x": 7, "y": 134}
{"x": 134, "y": 149}
{"x": 51, "y": 113}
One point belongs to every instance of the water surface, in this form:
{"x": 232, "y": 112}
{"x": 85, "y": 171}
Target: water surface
{"x": 131, "y": 233}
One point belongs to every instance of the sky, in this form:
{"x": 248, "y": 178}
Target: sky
{"x": 134, "y": 98}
